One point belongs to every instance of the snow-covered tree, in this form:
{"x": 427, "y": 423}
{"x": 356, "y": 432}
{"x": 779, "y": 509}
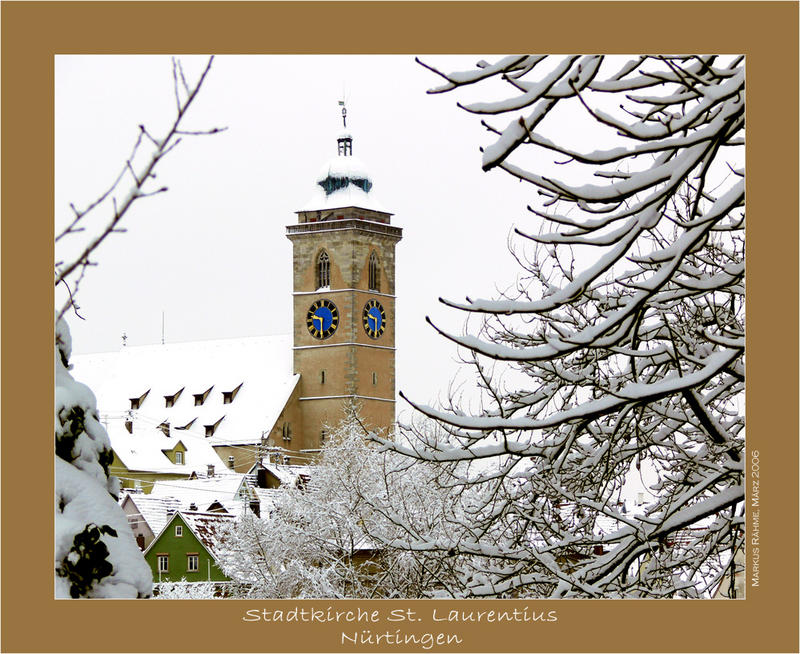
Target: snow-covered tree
{"x": 619, "y": 352}
{"x": 350, "y": 532}
{"x": 95, "y": 552}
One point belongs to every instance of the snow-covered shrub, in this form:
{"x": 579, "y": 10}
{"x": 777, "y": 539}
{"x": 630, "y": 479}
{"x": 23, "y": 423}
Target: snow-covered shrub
{"x": 95, "y": 551}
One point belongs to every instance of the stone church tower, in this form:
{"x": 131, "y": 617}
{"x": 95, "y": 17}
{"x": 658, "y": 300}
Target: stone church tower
{"x": 344, "y": 300}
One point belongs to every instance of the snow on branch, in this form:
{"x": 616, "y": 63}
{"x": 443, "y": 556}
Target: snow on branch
{"x": 619, "y": 361}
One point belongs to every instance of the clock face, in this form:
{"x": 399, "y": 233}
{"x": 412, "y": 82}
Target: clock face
{"x": 322, "y": 318}
{"x": 374, "y": 319}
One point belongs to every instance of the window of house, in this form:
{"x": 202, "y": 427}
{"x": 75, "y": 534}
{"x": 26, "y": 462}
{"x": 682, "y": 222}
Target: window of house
{"x": 192, "y": 562}
{"x": 323, "y": 435}
{"x": 163, "y": 562}
{"x": 374, "y": 273}
{"x": 374, "y": 378}
{"x": 169, "y": 400}
{"x": 321, "y": 376}
{"x": 287, "y": 431}
{"x": 229, "y": 396}
{"x": 210, "y": 429}
{"x": 200, "y": 398}
{"x": 136, "y": 402}
{"x": 179, "y": 458}
{"x": 178, "y": 531}
{"x": 323, "y": 270}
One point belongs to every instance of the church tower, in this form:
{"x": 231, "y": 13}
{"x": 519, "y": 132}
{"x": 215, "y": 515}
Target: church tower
{"x": 344, "y": 299}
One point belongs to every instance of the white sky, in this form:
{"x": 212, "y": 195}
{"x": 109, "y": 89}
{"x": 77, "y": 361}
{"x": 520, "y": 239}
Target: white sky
{"x": 212, "y": 252}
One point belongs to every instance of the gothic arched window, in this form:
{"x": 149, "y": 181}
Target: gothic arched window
{"x": 323, "y": 270}
{"x": 374, "y": 273}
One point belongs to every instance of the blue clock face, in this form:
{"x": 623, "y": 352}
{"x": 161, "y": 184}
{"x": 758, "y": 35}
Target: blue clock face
{"x": 322, "y": 318}
{"x": 374, "y": 319}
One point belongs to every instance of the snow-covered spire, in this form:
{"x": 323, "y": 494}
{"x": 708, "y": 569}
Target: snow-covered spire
{"x": 344, "y": 170}
{"x": 343, "y": 181}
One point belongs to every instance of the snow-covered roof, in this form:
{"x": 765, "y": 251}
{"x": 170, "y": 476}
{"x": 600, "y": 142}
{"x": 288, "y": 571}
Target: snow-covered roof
{"x": 343, "y": 181}
{"x": 286, "y": 474}
{"x": 228, "y": 488}
{"x": 344, "y": 166}
{"x": 146, "y": 450}
{"x": 153, "y": 510}
{"x": 268, "y": 497}
{"x": 207, "y": 526}
{"x": 259, "y": 367}
{"x": 349, "y": 196}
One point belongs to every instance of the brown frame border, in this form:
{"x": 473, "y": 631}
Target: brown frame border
{"x": 32, "y": 32}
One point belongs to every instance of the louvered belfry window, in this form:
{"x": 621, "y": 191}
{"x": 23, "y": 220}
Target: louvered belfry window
{"x": 323, "y": 270}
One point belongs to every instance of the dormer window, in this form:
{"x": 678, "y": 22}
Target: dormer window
{"x": 374, "y": 273}
{"x": 188, "y": 425}
{"x": 136, "y": 402}
{"x": 200, "y": 398}
{"x": 229, "y": 396}
{"x": 210, "y": 429}
{"x": 170, "y": 400}
{"x": 164, "y": 427}
{"x": 323, "y": 270}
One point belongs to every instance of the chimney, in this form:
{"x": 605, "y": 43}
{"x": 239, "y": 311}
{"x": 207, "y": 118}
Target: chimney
{"x": 210, "y": 470}
{"x": 231, "y": 462}
{"x": 255, "y": 507}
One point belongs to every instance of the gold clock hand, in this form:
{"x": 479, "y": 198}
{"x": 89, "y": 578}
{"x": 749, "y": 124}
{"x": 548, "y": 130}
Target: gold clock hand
{"x": 314, "y": 318}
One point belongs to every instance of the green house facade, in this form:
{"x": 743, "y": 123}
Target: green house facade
{"x": 184, "y": 550}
